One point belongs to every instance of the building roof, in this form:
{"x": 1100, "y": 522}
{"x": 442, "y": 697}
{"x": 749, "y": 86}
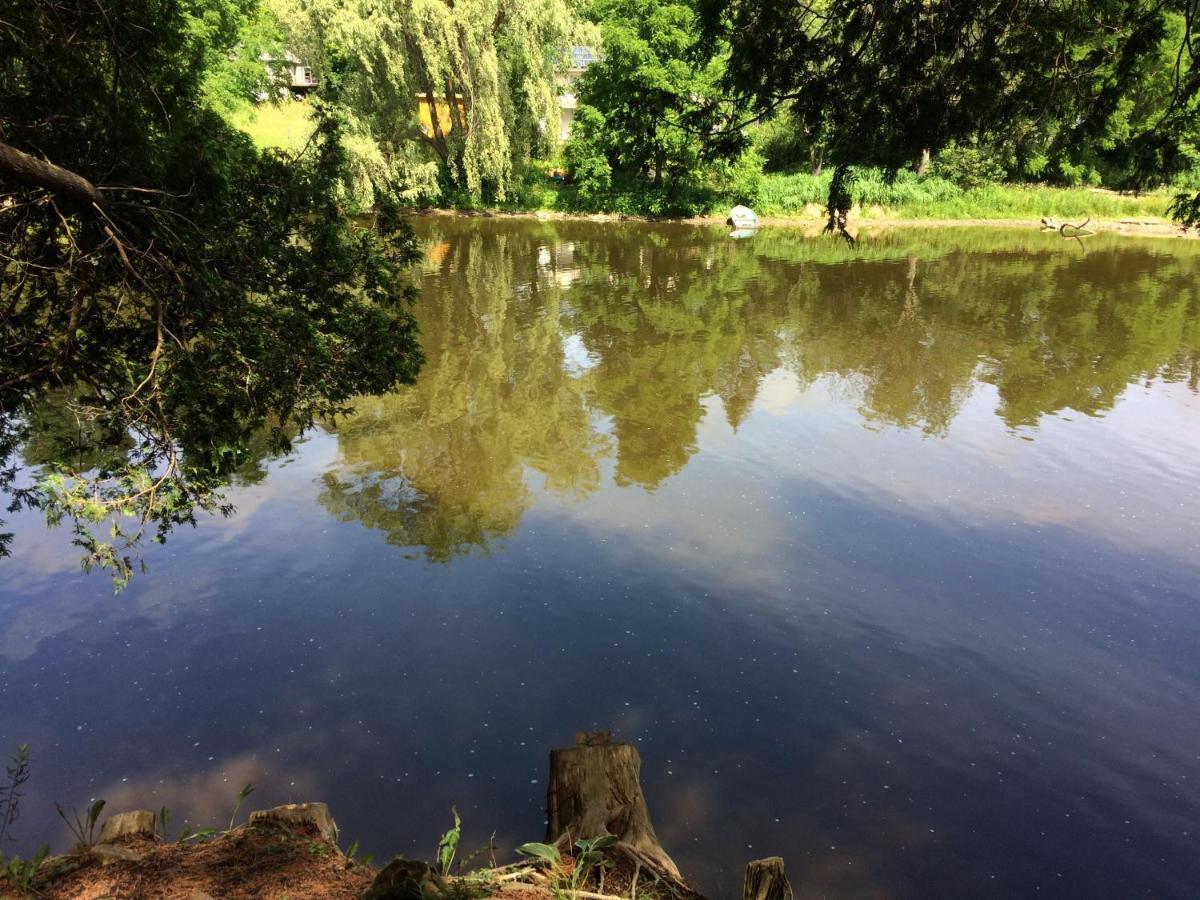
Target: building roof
{"x": 582, "y": 57}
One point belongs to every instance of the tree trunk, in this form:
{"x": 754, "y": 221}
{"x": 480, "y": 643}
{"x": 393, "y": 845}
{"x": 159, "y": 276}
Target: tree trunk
{"x": 923, "y": 165}
{"x": 765, "y": 880}
{"x": 595, "y": 789}
{"x": 816, "y": 161}
{"x": 38, "y": 173}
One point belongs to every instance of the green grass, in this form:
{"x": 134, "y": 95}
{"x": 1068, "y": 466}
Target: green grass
{"x": 284, "y": 126}
{"x": 908, "y": 197}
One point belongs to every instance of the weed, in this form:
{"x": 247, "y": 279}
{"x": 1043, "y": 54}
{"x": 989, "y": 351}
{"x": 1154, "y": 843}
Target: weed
{"x": 241, "y": 798}
{"x": 20, "y": 874}
{"x": 187, "y": 834}
{"x": 588, "y": 857}
{"x": 15, "y": 776}
{"x": 489, "y": 848}
{"x": 161, "y": 821}
{"x": 82, "y": 827}
{"x": 352, "y": 856}
{"x": 448, "y": 845}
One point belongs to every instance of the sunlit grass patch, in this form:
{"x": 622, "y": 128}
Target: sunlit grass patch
{"x": 286, "y": 125}
{"x": 936, "y": 198}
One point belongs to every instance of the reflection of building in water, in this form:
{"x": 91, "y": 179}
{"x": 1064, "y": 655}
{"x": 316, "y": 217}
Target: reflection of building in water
{"x": 559, "y": 261}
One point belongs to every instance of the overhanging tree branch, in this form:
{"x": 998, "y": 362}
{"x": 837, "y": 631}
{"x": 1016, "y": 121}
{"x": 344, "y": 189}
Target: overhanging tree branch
{"x": 39, "y": 173}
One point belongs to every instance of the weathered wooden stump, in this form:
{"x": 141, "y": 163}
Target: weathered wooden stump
{"x": 595, "y": 789}
{"x": 765, "y": 880}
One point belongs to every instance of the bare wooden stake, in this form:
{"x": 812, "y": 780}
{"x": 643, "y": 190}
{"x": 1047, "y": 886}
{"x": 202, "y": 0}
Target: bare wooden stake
{"x": 765, "y": 880}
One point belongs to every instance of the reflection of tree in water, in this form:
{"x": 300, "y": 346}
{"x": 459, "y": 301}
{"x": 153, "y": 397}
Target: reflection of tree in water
{"x": 443, "y": 465}
{"x": 906, "y": 325}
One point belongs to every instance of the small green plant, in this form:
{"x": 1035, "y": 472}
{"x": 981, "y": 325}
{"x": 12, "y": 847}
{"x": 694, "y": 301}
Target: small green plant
{"x": 352, "y": 856}
{"x": 448, "y": 845}
{"x": 82, "y": 827}
{"x": 15, "y": 775}
{"x": 489, "y": 848}
{"x": 162, "y": 820}
{"x": 545, "y": 852}
{"x": 186, "y": 834}
{"x": 241, "y": 798}
{"x": 20, "y": 874}
{"x": 589, "y": 857}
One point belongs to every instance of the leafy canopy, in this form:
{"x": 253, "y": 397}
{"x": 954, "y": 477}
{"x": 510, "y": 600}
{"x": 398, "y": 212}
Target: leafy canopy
{"x": 202, "y": 297}
{"x": 497, "y": 58}
{"x": 880, "y": 83}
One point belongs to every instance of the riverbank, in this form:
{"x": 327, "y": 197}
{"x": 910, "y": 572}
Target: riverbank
{"x": 797, "y": 199}
{"x": 812, "y": 221}
{"x": 606, "y": 849}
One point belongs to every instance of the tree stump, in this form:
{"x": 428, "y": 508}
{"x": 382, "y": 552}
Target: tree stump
{"x": 765, "y": 880}
{"x": 595, "y": 789}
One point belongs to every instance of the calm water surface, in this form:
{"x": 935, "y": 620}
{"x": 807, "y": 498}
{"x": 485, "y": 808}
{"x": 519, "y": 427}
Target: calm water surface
{"x": 887, "y": 560}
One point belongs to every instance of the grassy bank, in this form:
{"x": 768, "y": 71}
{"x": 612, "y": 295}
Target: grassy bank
{"x": 909, "y": 197}
{"x": 288, "y": 126}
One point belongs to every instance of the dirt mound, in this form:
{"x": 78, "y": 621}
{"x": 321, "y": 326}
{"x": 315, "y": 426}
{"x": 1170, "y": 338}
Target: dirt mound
{"x": 263, "y": 860}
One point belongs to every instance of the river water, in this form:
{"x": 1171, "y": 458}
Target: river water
{"x": 886, "y": 558}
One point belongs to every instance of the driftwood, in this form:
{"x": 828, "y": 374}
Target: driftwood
{"x": 595, "y": 789}
{"x": 1066, "y": 229}
{"x": 765, "y": 880}
{"x": 39, "y": 173}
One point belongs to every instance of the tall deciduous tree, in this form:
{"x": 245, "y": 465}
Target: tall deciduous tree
{"x": 188, "y": 293}
{"x": 885, "y": 81}
{"x": 486, "y": 67}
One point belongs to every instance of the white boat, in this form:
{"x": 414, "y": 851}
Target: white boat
{"x": 742, "y": 218}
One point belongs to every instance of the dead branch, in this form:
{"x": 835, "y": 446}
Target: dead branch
{"x": 39, "y": 173}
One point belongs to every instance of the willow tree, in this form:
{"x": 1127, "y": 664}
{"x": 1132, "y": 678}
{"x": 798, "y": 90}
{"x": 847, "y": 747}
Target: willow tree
{"x": 487, "y": 67}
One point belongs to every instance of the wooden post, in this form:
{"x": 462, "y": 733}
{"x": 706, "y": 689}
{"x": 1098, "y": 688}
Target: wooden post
{"x": 765, "y": 880}
{"x": 595, "y": 789}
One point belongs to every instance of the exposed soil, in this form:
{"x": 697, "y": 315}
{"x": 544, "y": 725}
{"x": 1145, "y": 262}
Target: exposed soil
{"x": 246, "y": 863}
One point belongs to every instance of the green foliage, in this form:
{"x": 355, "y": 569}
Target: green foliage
{"x": 544, "y": 852}
{"x": 1185, "y": 209}
{"x": 448, "y": 845}
{"x": 218, "y": 300}
{"x": 83, "y": 826}
{"x": 589, "y": 857}
{"x": 234, "y": 38}
{"x": 16, "y": 774}
{"x": 241, "y": 798}
{"x": 906, "y": 196}
{"x": 21, "y": 874}
{"x": 162, "y": 822}
{"x": 967, "y": 165}
{"x": 587, "y": 158}
{"x": 636, "y": 143}
{"x": 880, "y": 84}
{"x": 500, "y": 57}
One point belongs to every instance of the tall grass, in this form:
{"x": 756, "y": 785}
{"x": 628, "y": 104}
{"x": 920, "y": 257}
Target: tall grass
{"x": 931, "y": 197}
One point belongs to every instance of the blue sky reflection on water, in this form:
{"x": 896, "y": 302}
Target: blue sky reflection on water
{"x": 930, "y": 647}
